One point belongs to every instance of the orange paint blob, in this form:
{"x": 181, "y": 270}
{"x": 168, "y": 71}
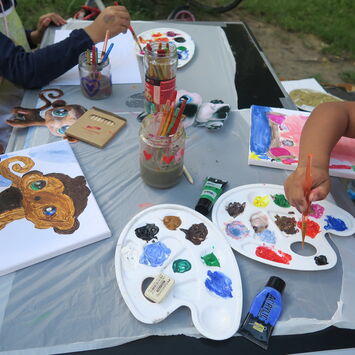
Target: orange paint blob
{"x": 313, "y": 228}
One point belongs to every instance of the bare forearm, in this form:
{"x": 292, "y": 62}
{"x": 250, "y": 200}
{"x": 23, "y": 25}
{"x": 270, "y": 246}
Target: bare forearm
{"x": 325, "y": 126}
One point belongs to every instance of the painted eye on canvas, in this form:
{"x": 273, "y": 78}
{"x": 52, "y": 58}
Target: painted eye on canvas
{"x": 49, "y": 211}
{"x": 63, "y": 129}
{"x": 60, "y": 112}
{"x": 38, "y": 185}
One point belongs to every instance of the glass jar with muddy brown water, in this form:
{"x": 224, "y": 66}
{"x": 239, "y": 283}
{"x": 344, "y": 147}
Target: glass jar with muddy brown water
{"x": 161, "y": 157}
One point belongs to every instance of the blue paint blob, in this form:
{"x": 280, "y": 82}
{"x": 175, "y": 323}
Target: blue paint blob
{"x": 335, "y": 224}
{"x": 155, "y": 254}
{"x": 219, "y": 283}
{"x": 237, "y": 230}
{"x": 260, "y": 134}
{"x": 267, "y": 236}
{"x": 182, "y": 52}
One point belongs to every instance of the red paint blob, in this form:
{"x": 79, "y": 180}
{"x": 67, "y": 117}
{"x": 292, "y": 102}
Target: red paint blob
{"x": 312, "y": 230}
{"x": 273, "y": 255}
{"x": 334, "y": 166}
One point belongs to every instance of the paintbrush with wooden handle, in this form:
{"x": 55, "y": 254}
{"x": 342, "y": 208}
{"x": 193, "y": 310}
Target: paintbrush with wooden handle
{"x": 307, "y": 190}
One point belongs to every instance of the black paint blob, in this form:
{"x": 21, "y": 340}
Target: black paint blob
{"x": 180, "y": 39}
{"x": 147, "y": 232}
{"x": 321, "y": 260}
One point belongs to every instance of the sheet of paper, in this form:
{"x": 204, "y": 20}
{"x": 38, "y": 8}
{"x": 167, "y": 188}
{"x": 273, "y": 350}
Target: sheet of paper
{"x": 310, "y": 83}
{"x": 123, "y": 60}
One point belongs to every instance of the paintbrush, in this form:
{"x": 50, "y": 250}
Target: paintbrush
{"x": 133, "y": 33}
{"x": 307, "y": 186}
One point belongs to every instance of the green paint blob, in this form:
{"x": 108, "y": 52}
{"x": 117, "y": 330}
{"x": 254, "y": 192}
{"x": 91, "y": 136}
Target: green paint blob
{"x": 181, "y": 265}
{"x": 281, "y": 200}
{"x": 210, "y": 260}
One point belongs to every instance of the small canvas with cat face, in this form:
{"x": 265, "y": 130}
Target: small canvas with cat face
{"x": 258, "y": 222}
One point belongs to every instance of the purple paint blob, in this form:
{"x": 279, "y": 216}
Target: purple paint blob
{"x": 237, "y": 230}
{"x": 155, "y": 254}
{"x": 316, "y": 210}
{"x": 279, "y": 152}
{"x": 172, "y": 34}
{"x": 335, "y": 224}
{"x": 219, "y": 283}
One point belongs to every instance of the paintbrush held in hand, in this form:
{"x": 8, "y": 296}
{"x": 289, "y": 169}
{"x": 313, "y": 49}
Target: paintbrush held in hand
{"x": 307, "y": 190}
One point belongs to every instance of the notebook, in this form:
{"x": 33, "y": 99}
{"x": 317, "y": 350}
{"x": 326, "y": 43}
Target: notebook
{"x": 46, "y": 206}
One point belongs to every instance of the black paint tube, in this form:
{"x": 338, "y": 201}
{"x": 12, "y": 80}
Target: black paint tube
{"x": 264, "y": 312}
{"x": 212, "y": 189}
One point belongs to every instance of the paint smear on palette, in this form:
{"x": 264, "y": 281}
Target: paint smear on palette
{"x": 130, "y": 254}
{"x": 211, "y": 260}
{"x": 234, "y": 209}
{"x": 219, "y": 283}
{"x": 237, "y": 230}
{"x": 286, "y": 224}
{"x": 172, "y": 222}
{"x": 155, "y": 254}
{"x": 147, "y": 232}
{"x": 259, "y": 222}
{"x": 313, "y": 228}
{"x": 196, "y": 234}
{"x": 172, "y": 34}
{"x": 261, "y": 201}
{"x": 280, "y": 200}
{"x": 182, "y": 52}
{"x": 181, "y": 265}
{"x": 272, "y": 254}
{"x": 266, "y": 236}
{"x": 335, "y": 224}
{"x": 316, "y": 210}
{"x": 180, "y": 39}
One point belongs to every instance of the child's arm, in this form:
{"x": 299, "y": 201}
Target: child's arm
{"x": 324, "y": 127}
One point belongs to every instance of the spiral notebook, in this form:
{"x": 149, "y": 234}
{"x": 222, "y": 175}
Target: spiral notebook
{"x": 46, "y": 206}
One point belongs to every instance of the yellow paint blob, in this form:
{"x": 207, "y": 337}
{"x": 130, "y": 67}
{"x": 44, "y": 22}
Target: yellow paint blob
{"x": 261, "y": 201}
{"x": 254, "y": 156}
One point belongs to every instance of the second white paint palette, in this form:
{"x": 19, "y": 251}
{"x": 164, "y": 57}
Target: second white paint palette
{"x": 259, "y": 223}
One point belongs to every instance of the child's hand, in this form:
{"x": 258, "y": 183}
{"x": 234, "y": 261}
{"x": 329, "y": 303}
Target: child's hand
{"x": 294, "y": 187}
{"x": 43, "y": 23}
{"x": 116, "y": 19}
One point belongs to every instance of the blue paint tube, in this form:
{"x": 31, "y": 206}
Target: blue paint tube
{"x": 264, "y": 312}
{"x": 212, "y": 189}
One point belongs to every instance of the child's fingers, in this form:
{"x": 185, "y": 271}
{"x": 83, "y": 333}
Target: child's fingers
{"x": 320, "y": 192}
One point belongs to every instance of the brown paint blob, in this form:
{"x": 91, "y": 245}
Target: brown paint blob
{"x": 234, "y": 209}
{"x": 286, "y": 224}
{"x": 196, "y": 234}
{"x": 172, "y": 222}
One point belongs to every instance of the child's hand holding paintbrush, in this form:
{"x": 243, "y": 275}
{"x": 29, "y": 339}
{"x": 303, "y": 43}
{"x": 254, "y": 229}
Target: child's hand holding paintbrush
{"x": 325, "y": 126}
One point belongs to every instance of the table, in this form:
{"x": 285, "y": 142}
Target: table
{"x": 72, "y": 302}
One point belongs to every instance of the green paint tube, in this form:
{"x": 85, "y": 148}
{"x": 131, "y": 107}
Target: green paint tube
{"x": 212, "y": 189}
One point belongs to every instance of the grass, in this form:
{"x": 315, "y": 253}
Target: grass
{"x": 331, "y": 20}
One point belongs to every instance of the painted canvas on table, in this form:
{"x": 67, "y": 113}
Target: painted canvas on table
{"x": 274, "y": 141}
{"x": 46, "y": 206}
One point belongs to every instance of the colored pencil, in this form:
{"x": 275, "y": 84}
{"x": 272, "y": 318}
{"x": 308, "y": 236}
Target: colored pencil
{"x": 187, "y": 175}
{"x": 105, "y": 44}
{"x": 107, "y": 53}
{"x": 307, "y": 190}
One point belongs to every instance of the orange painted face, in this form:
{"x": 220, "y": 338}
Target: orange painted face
{"x": 59, "y": 119}
{"x": 45, "y": 203}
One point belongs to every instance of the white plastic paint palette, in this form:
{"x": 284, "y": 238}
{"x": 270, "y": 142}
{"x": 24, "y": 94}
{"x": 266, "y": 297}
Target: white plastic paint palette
{"x": 269, "y": 234}
{"x": 184, "y": 44}
{"x": 213, "y": 293}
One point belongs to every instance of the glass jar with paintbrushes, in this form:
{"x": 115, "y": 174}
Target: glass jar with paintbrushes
{"x": 160, "y": 64}
{"x": 95, "y": 74}
{"x": 162, "y": 146}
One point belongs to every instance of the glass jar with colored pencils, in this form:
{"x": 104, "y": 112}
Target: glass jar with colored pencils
{"x": 162, "y": 146}
{"x": 160, "y": 64}
{"x": 95, "y": 75}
